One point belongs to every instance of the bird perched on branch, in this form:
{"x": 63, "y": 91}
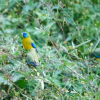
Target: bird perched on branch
{"x": 32, "y": 55}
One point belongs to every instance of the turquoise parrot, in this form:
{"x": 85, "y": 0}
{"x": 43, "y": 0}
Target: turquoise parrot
{"x": 32, "y": 55}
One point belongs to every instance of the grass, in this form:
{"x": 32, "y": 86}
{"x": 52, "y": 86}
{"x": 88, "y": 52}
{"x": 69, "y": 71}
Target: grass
{"x": 65, "y": 33}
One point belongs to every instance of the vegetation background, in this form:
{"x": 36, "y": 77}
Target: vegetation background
{"x": 65, "y": 33}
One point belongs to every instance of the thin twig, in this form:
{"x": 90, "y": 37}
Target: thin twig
{"x": 82, "y": 44}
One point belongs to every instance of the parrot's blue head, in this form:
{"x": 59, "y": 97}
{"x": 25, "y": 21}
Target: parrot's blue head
{"x": 25, "y": 35}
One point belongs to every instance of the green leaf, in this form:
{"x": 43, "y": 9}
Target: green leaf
{"x": 70, "y": 21}
{"x": 19, "y": 80}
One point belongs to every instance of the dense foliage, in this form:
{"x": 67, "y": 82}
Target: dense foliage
{"x": 65, "y": 32}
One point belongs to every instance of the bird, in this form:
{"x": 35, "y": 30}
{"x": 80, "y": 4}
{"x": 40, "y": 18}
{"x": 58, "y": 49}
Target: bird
{"x": 28, "y": 43}
{"x": 97, "y": 53}
{"x": 33, "y": 58}
{"x": 32, "y": 54}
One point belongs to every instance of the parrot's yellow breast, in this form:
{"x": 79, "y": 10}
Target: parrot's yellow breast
{"x": 27, "y": 43}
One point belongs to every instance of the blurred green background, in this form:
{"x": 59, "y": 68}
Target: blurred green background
{"x": 65, "y": 32}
